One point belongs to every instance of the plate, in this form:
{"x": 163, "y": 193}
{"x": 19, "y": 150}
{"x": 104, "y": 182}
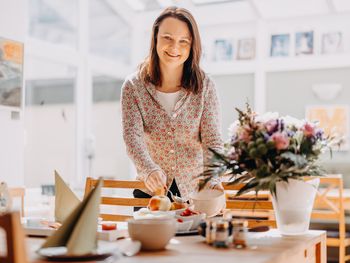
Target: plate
{"x": 40, "y": 231}
{"x": 60, "y": 253}
{"x": 187, "y": 233}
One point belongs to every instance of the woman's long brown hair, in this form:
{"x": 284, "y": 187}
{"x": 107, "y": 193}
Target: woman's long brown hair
{"x": 193, "y": 75}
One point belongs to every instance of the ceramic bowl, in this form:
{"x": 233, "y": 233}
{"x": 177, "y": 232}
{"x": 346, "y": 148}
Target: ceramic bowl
{"x": 184, "y": 226}
{"x": 209, "y": 201}
{"x": 154, "y": 234}
{"x": 196, "y": 219}
{"x": 145, "y": 213}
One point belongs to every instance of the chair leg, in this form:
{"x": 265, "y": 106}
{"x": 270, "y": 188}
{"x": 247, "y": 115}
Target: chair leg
{"x": 341, "y": 253}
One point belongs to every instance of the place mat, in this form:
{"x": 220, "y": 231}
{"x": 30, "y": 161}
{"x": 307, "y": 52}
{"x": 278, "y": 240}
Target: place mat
{"x": 103, "y": 251}
{"x": 107, "y": 235}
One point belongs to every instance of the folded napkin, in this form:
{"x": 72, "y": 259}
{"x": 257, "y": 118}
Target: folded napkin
{"x": 65, "y": 199}
{"x": 79, "y": 230}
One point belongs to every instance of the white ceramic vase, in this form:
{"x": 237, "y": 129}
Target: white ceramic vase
{"x": 293, "y": 205}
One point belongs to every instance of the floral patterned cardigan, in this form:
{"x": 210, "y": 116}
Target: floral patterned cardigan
{"x": 176, "y": 144}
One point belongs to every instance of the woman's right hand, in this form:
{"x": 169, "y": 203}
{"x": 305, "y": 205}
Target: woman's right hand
{"x": 155, "y": 181}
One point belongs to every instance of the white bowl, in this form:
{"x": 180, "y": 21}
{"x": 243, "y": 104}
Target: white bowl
{"x": 196, "y": 219}
{"x": 154, "y": 234}
{"x": 183, "y": 226}
{"x": 209, "y": 201}
{"x": 145, "y": 213}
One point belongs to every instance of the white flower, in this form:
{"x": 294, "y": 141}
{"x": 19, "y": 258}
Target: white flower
{"x": 288, "y": 120}
{"x": 268, "y": 116}
{"x": 232, "y": 130}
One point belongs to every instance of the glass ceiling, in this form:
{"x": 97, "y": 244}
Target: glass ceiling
{"x": 54, "y": 21}
{"x": 109, "y": 33}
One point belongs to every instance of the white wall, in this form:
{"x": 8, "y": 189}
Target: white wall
{"x": 12, "y": 25}
{"x": 52, "y": 145}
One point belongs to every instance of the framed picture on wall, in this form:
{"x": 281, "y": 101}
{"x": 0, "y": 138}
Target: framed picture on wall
{"x": 334, "y": 119}
{"x": 280, "y": 45}
{"x": 11, "y": 73}
{"x": 223, "y": 50}
{"x": 332, "y": 42}
{"x": 246, "y": 49}
{"x": 304, "y": 43}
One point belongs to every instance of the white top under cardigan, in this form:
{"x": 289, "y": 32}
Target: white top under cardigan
{"x": 168, "y": 100}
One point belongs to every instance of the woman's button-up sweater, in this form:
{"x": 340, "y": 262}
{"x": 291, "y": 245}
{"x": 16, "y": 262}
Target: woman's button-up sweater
{"x": 176, "y": 144}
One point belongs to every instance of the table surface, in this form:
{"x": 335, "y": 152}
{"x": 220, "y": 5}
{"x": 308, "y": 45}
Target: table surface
{"x": 266, "y": 247}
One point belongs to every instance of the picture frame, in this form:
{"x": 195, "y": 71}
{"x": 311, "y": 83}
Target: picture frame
{"x": 11, "y": 73}
{"x": 304, "y": 43}
{"x": 280, "y": 45}
{"x": 332, "y": 42}
{"x": 223, "y": 50}
{"x": 246, "y": 49}
{"x": 333, "y": 119}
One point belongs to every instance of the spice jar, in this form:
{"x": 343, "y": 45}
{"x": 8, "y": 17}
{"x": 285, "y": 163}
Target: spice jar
{"x": 239, "y": 231}
{"x": 220, "y": 229}
{"x": 209, "y": 232}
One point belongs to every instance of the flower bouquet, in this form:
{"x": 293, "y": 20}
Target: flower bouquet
{"x": 265, "y": 149}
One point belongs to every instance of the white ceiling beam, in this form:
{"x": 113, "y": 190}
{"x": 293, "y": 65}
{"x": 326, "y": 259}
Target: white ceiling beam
{"x": 255, "y": 9}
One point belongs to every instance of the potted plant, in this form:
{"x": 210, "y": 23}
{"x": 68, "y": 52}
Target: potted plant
{"x": 269, "y": 152}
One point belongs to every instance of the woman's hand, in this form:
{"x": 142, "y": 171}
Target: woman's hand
{"x": 155, "y": 181}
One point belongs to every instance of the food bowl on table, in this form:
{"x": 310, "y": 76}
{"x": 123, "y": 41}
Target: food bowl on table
{"x": 209, "y": 201}
{"x": 183, "y": 226}
{"x": 145, "y": 213}
{"x": 154, "y": 234}
{"x": 190, "y": 215}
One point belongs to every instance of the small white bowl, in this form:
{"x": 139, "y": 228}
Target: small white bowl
{"x": 196, "y": 219}
{"x": 154, "y": 234}
{"x": 209, "y": 201}
{"x": 184, "y": 226}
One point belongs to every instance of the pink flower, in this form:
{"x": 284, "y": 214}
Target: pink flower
{"x": 281, "y": 140}
{"x": 308, "y": 129}
{"x": 244, "y": 134}
{"x": 271, "y": 126}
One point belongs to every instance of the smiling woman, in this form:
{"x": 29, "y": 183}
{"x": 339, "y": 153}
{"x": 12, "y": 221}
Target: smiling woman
{"x": 170, "y": 109}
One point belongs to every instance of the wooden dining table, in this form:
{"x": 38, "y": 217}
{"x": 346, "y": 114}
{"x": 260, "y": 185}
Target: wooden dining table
{"x": 264, "y": 247}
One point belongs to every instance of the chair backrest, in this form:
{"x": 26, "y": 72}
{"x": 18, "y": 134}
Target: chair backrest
{"x": 257, "y": 209}
{"x": 15, "y": 241}
{"x": 18, "y": 192}
{"x": 118, "y": 200}
{"x": 329, "y": 203}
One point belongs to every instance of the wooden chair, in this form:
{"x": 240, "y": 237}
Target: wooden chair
{"x": 15, "y": 240}
{"x": 18, "y": 192}
{"x": 116, "y": 200}
{"x": 330, "y": 209}
{"x": 258, "y": 210}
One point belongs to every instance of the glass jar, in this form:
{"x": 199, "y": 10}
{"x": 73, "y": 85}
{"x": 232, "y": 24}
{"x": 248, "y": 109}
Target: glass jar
{"x": 220, "y": 229}
{"x": 239, "y": 233}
